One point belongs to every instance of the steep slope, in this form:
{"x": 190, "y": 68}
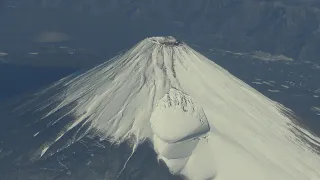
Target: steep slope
{"x": 203, "y": 122}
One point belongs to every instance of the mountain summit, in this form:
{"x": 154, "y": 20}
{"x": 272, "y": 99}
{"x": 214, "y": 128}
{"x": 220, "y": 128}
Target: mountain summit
{"x": 203, "y": 122}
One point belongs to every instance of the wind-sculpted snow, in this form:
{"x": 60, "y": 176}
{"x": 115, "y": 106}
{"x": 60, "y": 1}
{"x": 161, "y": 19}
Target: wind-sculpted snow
{"x": 203, "y": 122}
{"x": 176, "y": 118}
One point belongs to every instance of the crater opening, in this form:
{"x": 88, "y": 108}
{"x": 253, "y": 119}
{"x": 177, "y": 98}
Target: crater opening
{"x": 166, "y": 41}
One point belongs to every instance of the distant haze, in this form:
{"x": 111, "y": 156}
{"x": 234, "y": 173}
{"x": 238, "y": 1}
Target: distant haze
{"x": 46, "y": 37}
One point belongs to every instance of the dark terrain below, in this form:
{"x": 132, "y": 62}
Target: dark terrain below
{"x": 44, "y": 41}
{"x": 294, "y": 84}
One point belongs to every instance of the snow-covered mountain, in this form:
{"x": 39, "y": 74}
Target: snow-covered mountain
{"x": 203, "y": 122}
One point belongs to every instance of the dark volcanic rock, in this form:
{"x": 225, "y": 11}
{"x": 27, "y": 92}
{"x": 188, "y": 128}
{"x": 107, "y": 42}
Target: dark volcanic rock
{"x": 87, "y": 158}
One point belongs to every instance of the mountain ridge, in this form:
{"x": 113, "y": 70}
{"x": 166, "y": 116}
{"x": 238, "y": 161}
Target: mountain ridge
{"x": 276, "y": 27}
{"x": 217, "y": 121}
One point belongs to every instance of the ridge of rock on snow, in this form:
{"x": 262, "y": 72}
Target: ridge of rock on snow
{"x": 203, "y": 122}
{"x": 176, "y": 118}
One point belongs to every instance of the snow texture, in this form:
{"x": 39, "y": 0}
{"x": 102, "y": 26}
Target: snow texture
{"x": 203, "y": 122}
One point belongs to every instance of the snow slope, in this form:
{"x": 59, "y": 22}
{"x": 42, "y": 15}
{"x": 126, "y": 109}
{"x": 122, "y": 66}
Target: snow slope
{"x": 203, "y": 122}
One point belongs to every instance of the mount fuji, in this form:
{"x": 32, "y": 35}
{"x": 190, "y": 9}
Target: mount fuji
{"x": 200, "y": 120}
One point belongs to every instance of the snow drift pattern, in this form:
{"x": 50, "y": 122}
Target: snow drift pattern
{"x": 203, "y": 122}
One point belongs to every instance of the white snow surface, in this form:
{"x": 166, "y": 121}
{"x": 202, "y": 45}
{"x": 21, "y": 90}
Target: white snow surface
{"x": 174, "y": 111}
{"x": 203, "y": 122}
